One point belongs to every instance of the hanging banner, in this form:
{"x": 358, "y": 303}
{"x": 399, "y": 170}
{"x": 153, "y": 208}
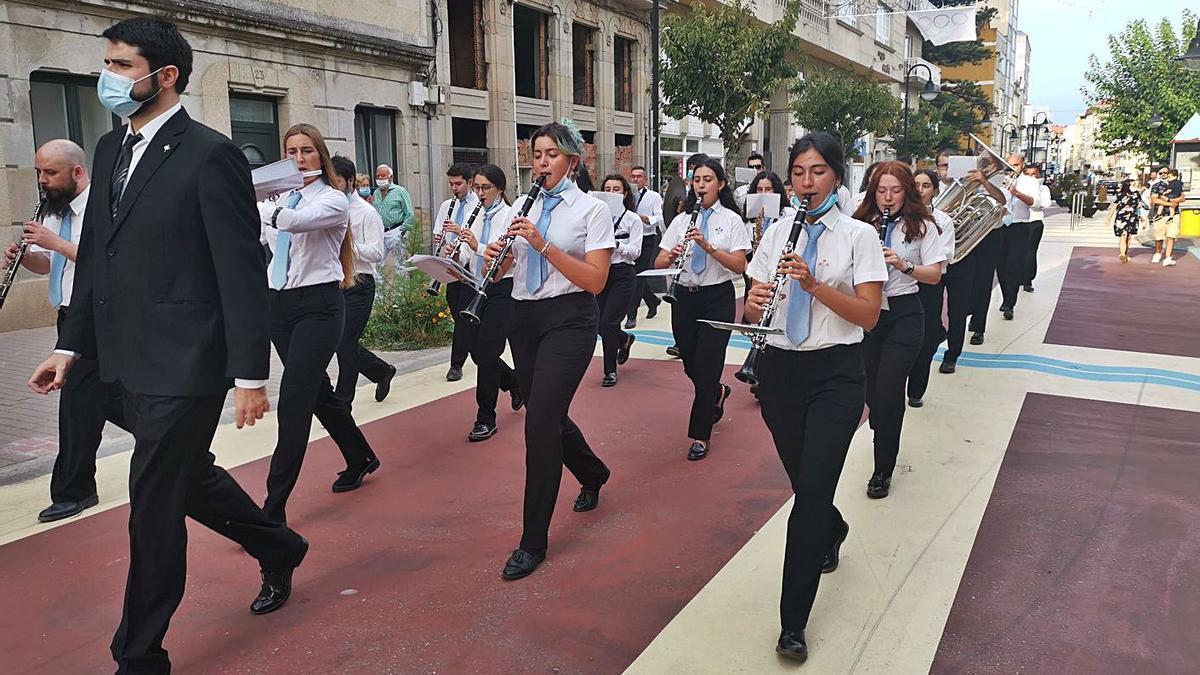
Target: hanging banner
{"x": 952, "y": 24}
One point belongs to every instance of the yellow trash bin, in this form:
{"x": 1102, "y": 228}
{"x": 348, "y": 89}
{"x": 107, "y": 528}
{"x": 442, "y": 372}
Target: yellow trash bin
{"x": 1189, "y": 222}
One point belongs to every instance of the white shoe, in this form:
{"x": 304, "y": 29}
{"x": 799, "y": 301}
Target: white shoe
{"x": 1157, "y": 257}
{"x": 1168, "y": 262}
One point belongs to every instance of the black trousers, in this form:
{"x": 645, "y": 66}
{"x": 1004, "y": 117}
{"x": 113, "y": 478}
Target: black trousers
{"x": 352, "y": 357}
{"x": 888, "y": 354}
{"x": 986, "y": 263}
{"x": 960, "y": 297}
{"x": 932, "y": 297}
{"x": 458, "y": 296}
{"x": 85, "y": 403}
{"x": 552, "y": 344}
{"x": 486, "y": 346}
{"x": 702, "y": 348}
{"x": 172, "y": 475}
{"x": 641, "y": 286}
{"x": 1014, "y": 257}
{"x": 306, "y": 328}
{"x": 812, "y": 402}
{"x": 613, "y": 302}
{"x": 1036, "y": 229}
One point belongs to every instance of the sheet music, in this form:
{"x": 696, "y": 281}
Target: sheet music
{"x": 766, "y": 204}
{"x": 277, "y": 178}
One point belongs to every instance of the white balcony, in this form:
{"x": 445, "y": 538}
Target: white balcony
{"x": 918, "y": 75}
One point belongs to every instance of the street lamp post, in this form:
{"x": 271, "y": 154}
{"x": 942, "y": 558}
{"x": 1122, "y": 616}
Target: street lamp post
{"x": 1033, "y": 131}
{"x": 1011, "y": 135}
{"x": 928, "y": 93}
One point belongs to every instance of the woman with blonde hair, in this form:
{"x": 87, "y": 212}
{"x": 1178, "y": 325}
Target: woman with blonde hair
{"x": 312, "y": 260}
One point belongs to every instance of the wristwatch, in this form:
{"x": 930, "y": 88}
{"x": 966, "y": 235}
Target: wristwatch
{"x": 910, "y": 268}
{"x": 274, "y": 216}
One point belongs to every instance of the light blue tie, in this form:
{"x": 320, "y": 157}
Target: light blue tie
{"x": 536, "y": 267}
{"x": 700, "y": 256}
{"x": 458, "y": 218}
{"x": 58, "y": 263}
{"x": 800, "y": 301}
{"x": 767, "y": 224}
{"x": 283, "y": 246}
{"x": 487, "y": 229}
{"x": 887, "y": 233}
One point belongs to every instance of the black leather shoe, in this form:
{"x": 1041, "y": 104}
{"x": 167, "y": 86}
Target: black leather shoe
{"x": 1002, "y": 308}
{"x": 977, "y": 337}
{"x": 915, "y": 402}
{"x": 277, "y": 584}
{"x": 698, "y": 451}
{"x": 481, "y": 432}
{"x": 673, "y": 350}
{"x": 878, "y": 486}
{"x": 833, "y": 555}
{"x": 384, "y": 386}
{"x": 610, "y": 380}
{"x": 1008, "y": 314}
{"x": 352, "y": 479}
{"x": 792, "y": 646}
{"x": 630, "y": 323}
{"x": 947, "y": 367}
{"x": 720, "y": 411}
{"x": 60, "y": 510}
{"x": 1028, "y": 288}
{"x": 454, "y": 374}
{"x": 589, "y": 498}
{"x": 653, "y": 310}
{"x": 623, "y": 350}
{"x": 518, "y": 401}
{"x": 521, "y": 564}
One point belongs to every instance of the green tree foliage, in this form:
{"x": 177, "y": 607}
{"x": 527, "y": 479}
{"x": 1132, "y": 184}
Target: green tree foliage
{"x": 1143, "y": 76}
{"x": 944, "y": 121}
{"x": 846, "y": 105}
{"x": 958, "y": 53}
{"x": 722, "y": 65}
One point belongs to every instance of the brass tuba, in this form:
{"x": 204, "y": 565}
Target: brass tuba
{"x": 975, "y": 212}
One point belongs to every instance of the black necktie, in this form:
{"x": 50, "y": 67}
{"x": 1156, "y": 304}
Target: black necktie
{"x": 121, "y": 172}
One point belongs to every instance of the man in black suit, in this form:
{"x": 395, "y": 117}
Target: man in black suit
{"x": 170, "y": 296}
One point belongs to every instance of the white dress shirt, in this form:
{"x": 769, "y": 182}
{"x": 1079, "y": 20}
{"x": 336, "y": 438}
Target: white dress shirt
{"x": 501, "y": 216}
{"x": 848, "y": 254}
{"x": 1028, "y": 185}
{"x": 579, "y": 225}
{"x": 1041, "y": 201}
{"x": 726, "y": 231}
{"x": 786, "y": 215}
{"x": 318, "y": 226}
{"x": 847, "y": 202}
{"x": 928, "y": 249}
{"x": 628, "y": 234}
{"x": 739, "y": 196}
{"x": 77, "y": 207}
{"x": 148, "y": 131}
{"x": 464, "y": 256}
{"x": 650, "y": 204}
{"x": 366, "y": 226}
{"x": 946, "y": 224}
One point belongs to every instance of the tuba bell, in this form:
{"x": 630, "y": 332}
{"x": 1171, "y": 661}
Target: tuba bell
{"x": 975, "y": 212}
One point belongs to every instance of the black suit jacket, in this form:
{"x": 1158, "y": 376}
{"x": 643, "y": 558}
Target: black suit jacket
{"x": 171, "y": 294}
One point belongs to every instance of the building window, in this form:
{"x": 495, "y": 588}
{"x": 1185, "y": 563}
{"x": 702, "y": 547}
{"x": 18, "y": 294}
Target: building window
{"x": 583, "y": 59}
{"x": 65, "y": 106}
{"x": 254, "y": 123}
{"x": 374, "y": 139}
{"x": 883, "y": 24}
{"x": 530, "y": 30}
{"x": 470, "y": 141}
{"x": 846, "y": 13}
{"x": 468, "y": 62}
{"x": 623, "y": 73}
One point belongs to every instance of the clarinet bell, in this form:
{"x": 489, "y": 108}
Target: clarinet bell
{"x": 748, "y": 372}
{"x": 670, "y": 296}
{"x": 434, "y": 287}
{"x": 471, "y": 313}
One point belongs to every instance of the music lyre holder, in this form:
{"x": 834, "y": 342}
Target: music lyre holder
{"x": 445, "y": 270}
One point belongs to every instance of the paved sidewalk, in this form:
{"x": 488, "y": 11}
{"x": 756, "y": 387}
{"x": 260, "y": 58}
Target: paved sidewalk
{"x": 29, "y": 423}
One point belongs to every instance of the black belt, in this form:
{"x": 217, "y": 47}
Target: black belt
{"x": 389, "y": 229}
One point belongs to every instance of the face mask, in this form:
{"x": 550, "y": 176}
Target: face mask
{"x": 689, "y": 174}
{"x": 365, "y": 192}
{"x": 385, "y": 184}
{"x": 821, "y": 210}
{"x": 116, "y": 93}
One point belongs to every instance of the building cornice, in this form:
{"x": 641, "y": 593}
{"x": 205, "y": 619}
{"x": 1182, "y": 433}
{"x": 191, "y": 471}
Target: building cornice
{"x": 258, "y": 20}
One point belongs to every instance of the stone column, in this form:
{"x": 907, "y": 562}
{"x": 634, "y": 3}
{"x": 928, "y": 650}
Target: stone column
{"x": 780, "y": 122}
{"x": 501, "y": 83}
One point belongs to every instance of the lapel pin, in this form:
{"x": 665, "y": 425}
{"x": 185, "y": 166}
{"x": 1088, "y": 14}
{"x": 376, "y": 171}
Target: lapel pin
{"x": 166, "y": 148}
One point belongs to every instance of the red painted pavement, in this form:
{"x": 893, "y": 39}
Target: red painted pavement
{"x": 403, "y": 574}
{"x": 1088, "y": 555}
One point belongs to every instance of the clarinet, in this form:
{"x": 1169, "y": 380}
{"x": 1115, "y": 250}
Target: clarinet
{"x": 758, "y": 341}
{"x": 435, "y": 286}
{"x": 10, "y": 272}
{"x": 473, "y": 310}
{"x": 672, "y": 290}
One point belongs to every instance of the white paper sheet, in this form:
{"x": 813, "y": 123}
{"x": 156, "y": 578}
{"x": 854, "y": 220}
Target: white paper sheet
{"x": 766, "y": 204}
{"x": 616, "y": 202}
{"x": 277, "y": 178}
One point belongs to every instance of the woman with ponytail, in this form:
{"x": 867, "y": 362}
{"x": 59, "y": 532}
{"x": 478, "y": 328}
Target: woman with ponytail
{"x": 308, "y": 232}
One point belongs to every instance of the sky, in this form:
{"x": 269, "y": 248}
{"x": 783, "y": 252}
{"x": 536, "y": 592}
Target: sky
{"x": 1063, "y": 33}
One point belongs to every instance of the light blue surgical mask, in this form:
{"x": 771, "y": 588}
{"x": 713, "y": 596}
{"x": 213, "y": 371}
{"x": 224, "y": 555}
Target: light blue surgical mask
{"x": 364, "y": 191}
{"x": 821, "y": 210}
{"x": 116, "y": 93}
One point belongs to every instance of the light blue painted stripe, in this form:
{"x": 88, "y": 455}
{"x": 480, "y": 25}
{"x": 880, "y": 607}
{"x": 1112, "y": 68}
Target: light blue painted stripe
{"x": 1030, "y": 362}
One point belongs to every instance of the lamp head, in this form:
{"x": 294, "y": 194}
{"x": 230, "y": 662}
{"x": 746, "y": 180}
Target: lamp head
{"x": 1191, "y": 58}
{"x": 930, "y": 91}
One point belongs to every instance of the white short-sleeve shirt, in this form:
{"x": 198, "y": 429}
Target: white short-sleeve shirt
{"x": 579, "y": 225}
{"x": 628, "y": 232}
{"x": 946, "y": 223}
{"x": 469, "y": 203}
{"x": 928, "y": 249}
{"x": 495, "y": 221}
{"x": 78, "y": 207}
{"x": 848, "y": 254}
{"x": 726, "y": 231}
